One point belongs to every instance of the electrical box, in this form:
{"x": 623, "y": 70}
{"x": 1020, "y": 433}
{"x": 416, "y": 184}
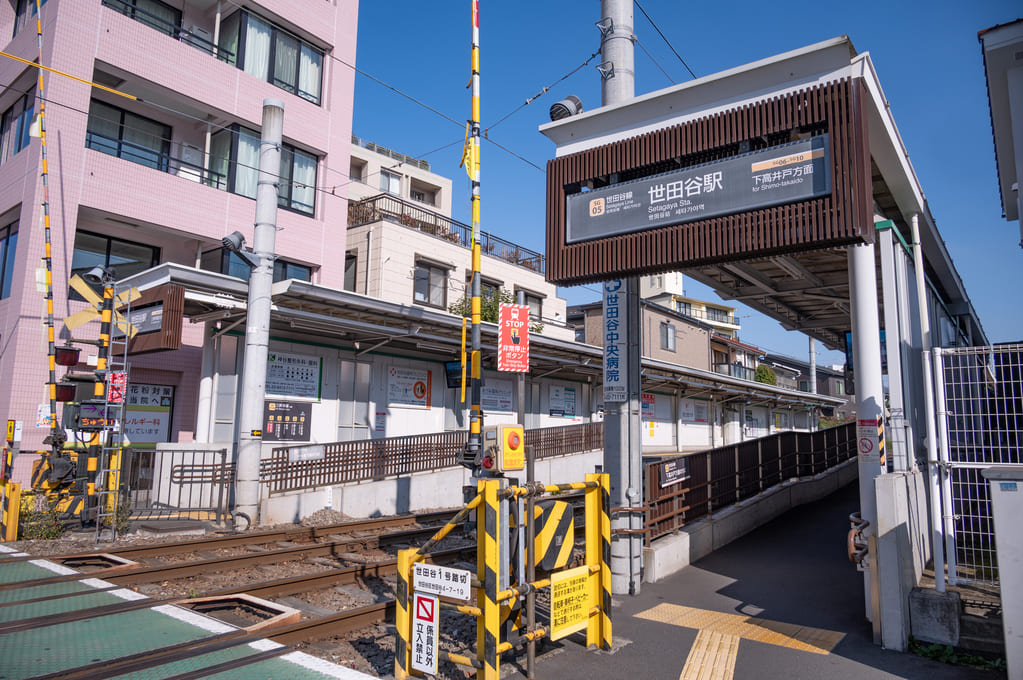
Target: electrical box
{"x": 504, "y": 448}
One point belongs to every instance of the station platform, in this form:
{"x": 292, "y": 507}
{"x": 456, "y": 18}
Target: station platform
{"x": 781, "y": 603}
{"x": 53, "y": 626}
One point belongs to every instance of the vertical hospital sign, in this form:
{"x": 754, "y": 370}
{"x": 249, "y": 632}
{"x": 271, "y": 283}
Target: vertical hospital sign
{"x": 615, "y": 342}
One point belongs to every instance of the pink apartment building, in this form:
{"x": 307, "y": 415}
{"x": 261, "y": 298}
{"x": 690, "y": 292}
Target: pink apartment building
{"x": 133, "y": 184}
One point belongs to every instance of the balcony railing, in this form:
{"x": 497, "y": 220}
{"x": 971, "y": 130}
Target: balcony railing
{"x": 393, "y": 209}
{"x": 396, "y": 155}
{"x": 710, "y": 315}
{"x": 169, "y": 28}
{"x": 154, "y": 158}
{"x": 736, "y": 371}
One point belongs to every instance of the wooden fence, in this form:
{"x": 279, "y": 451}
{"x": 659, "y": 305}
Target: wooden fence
{"x": 294, "y": 468}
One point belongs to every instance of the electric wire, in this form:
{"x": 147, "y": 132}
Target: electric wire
{"x": 647, "y": 53}
{"x": 665, "y": 39}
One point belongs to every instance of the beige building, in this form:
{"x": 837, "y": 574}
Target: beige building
{"x": 403, "y": 246}
{"x": 668, "y": 290}
{"x": 667, "y": 336}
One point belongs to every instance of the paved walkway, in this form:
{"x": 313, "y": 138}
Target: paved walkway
{"x": 782, "y": 602}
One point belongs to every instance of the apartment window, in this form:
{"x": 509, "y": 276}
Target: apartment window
{"x": 24, "y": 14}
{"x": 234, "y": 167}
{"x": 98, "y": 250}
{"x": 273, "y": 54}
{"x": 126, "y": 135}
{"x": 224, "y": 261}
{"x": 152, "y": 13}
{"x": 535, "y": 304}
{"x": 431, "y": 285}
{"x": 719, "y": 315}
{"x": 351, "y": 268}
{"x": 15, "y": 125}
{"x": 390, "y": 182}
{"x": 804, "y": 386}
{"x": 668, "y": 337}
{"x": 839, "y": 388}
{"x": 8, "y": 248}
{"x": 684, "y": 308}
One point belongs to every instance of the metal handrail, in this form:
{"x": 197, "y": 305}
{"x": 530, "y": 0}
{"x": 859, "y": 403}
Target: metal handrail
{"x": 152, "y": 158}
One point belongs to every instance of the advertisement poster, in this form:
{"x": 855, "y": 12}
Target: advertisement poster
{"x": 408, "y": 387}
{"x": 497, "y": 396}
{"x": 693, "y": 411}
{"x": 148, "y": 410}
{"x": 648, "y": 406}
{"x": 293, "y": 375}
{"x": 513, "y": 338}
{"x": 286, "y": 421}
{"x": 562, "y": 401}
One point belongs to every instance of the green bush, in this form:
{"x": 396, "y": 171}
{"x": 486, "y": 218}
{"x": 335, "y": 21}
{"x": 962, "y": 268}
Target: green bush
{"x": 39, "y": 519}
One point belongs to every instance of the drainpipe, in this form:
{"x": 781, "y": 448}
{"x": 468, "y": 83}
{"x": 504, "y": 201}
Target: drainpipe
{"x": 216, "y": 30}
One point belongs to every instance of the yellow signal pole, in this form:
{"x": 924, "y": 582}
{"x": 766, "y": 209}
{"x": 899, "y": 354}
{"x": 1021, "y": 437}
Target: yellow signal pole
{"x": 471, "y": 158}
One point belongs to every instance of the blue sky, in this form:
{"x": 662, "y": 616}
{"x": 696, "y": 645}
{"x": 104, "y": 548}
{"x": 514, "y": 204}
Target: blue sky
{"x": 926, "y": 55}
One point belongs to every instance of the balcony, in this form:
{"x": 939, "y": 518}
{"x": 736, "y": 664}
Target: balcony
{"x": 388, "y": 208}
{"x": 169, "y": 27}
{"x": 736, "y": 371}
{"x": 710, "y": 315}
{"x": 154, "y": 158}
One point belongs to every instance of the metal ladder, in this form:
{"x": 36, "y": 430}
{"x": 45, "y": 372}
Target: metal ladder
{"x": 109, "y": 484}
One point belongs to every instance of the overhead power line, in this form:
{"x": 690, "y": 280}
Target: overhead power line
{"x": 665, "y": 39}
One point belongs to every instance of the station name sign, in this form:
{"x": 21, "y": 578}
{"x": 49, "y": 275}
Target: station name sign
{"x": 778, "y": 175}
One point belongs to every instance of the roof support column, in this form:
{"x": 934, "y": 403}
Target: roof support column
{"x": 866, "y": 346}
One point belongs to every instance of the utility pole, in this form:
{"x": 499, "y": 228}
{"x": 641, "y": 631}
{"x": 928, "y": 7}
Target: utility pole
{"x": 257, "y": 323}
{"x": 622, "y": 433}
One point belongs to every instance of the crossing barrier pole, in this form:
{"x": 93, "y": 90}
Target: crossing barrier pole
{"x": 598, "y": 554}
{"x": 488, "y": 627}
{"x": 10, "y": 509}
{"x": 402, "y": 621}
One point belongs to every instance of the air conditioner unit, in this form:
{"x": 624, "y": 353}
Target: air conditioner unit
{"x": 201, "y": 32}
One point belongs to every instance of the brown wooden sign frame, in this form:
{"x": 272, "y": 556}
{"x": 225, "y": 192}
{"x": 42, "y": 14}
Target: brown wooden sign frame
{"x": 844, "y": 217}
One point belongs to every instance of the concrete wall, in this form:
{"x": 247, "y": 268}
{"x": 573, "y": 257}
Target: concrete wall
{"x": 411, "y": 493}
{"x": 903, "y": 547}
{"x": 670, "y": 554}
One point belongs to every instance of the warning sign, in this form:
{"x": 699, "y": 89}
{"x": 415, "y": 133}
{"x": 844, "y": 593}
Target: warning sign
{"x": 866, "y": 436}
{"x": 425, "y": 626}
{"x": 570, "y": 601}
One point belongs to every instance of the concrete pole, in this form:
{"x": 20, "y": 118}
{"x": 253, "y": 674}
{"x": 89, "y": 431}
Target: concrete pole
{"x": 813, "y": 366}
{"x": 257, "y": 324}
{"x": 204, "y": 409}
{"x": 866, "y": 341}
{"x": 622, "y": 433}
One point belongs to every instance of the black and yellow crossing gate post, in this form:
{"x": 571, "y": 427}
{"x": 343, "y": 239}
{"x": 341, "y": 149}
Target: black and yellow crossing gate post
{"x": 580, "y": 596}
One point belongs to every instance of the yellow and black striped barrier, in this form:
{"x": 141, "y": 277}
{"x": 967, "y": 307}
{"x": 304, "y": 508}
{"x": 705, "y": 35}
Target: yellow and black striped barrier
{"x": 880, "y": 442}
{"x": 10, "y": 510}
{"x": 590, "y": 584}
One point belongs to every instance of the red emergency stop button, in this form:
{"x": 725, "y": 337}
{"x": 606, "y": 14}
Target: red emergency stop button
{"x": 514, "y": 439}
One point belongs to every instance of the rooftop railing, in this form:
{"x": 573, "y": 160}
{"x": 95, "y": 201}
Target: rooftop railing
{"x": 385, "y": 207}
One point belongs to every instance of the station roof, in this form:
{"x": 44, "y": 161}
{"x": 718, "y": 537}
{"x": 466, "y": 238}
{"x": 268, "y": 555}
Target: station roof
{"x": 303, "y": 311}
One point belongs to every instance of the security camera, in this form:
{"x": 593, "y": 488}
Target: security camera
{"x": 234, "y": 241}
{"x": 569, "y": 106}
{"x": 98, "y": 276}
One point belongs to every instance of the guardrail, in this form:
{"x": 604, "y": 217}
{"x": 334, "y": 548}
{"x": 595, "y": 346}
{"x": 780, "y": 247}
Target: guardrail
{"x": 176, "y": 484}
{"x": 685, "y": 488}
{"x": 294, "y": 468}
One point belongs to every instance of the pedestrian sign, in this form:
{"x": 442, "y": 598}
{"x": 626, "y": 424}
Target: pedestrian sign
{"x": 570, "y": 601}
{"x": 425, "y": 627}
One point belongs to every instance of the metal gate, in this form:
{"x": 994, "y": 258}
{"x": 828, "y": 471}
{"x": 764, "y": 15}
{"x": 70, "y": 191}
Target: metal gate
{"x": 980, "y": 417}
{"x": 176, "y": 484}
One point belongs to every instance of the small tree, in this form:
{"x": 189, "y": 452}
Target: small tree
{"x": 490, "y": 306}
{"x": 765, "y": 374}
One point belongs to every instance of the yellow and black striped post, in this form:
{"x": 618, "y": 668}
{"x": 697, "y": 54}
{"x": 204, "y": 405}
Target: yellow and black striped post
{"x": 882, "y": 452}
{"x": 402, "y": 621}
{"x": 598, "y": 554}
{"x": 10, "y": 510}
{"x": 488, "y": 626}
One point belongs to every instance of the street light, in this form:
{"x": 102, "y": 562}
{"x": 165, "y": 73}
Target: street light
{"x": 235, "y": 243}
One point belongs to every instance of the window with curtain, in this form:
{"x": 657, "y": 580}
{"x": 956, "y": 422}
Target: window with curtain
{"x": 390, "y": 182}
{"x": 272, "y": 54}
{"x": 234, "y": 166}
{"x": 430, "y": 285}
{"x": 8, "y": 248}
{"x": 127, "y": 135}
{"x": 15, "y": 125}
{"x": 668, "y": 337}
